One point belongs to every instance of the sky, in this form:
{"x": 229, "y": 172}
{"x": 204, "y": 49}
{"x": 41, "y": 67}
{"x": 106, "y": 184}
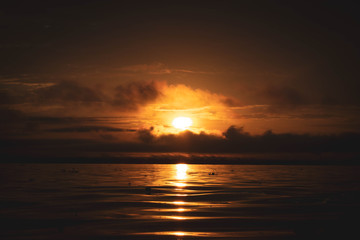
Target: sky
{"x": 99, "y": 77}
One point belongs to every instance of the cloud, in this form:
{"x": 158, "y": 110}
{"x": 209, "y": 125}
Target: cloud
{"x": 282, "y": 95}
{"x": 11, "y": 94}
{"x": 155, "y": 103}
{"x": 10, "y": 115}
{"x": 73, "y": 94}
{"x": 145, "y": 135}
{"x": 67, "y": 92}
{"x": 236, "y": 140}
{"x": 180, "y": 96}
{"x": 158, "y": 69}
{"x": 233, "y": 141}
{"x": 230, "y": 101}
{"x": 155, "y": 68}
{"x": 136, "y": 94}
{"x": 6, "y": 98}
{"x": 15, "y": 123}
{"x": 90, "y": 129}
{"x": 126, "y": 96}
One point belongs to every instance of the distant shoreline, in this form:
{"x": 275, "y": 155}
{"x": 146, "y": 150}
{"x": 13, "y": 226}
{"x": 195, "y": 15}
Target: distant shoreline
{"x": 176, "y": 160}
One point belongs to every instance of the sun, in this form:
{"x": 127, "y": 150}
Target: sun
{"x": 182, "y": 123}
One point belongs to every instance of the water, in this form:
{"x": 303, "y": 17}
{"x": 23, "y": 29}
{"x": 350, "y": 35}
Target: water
{"x": 178, "y": 201}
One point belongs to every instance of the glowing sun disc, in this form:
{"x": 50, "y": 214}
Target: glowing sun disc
{"x": 182, "y": 122}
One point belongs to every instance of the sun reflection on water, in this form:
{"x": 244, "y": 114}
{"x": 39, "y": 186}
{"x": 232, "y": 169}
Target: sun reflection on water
{"x": 181, "y": 209}
{"x": 183, "y": 233}
{"x": 181, "y": 176}
{"x": 180, "y": 185}
{"x": 181, "y": 170}
{"x": 179, "y": 206}
{"x": 178, "y": 233}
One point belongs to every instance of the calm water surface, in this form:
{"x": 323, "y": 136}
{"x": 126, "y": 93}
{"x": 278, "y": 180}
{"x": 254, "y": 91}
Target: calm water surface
{"x": 178, "y": 201}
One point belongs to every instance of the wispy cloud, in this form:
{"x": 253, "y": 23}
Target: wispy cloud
{"x": 90, "y": 129}
{"x": 158, "y": 69}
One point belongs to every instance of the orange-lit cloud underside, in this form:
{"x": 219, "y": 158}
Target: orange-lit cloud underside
{"x": 123, "y": 109}
{"x": 208, "y": 111}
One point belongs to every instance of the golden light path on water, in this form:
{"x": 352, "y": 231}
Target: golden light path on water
{"x": 179, "y": 208}
{"x": 181, "y": 176}
{"x": 181, "y": 205}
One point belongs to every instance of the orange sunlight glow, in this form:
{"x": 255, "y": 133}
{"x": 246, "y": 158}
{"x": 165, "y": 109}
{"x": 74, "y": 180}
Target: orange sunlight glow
{"x": 180, "y": 108}
{"x": 182, "y": 123}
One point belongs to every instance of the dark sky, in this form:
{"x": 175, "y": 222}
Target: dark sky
{"x": 317, "y": 43}
{"x": 104, "y": 70}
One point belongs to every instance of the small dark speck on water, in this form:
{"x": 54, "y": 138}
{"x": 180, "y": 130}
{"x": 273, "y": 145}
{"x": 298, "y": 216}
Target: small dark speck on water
{"x": 212, "y": 172}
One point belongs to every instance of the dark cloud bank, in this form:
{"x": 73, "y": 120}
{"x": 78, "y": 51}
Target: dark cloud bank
{"x": 19, "y": 132}
{"x": 236, "y": 140}
{"x": 127, "y": 97}
{"x": 235, "y": 146}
